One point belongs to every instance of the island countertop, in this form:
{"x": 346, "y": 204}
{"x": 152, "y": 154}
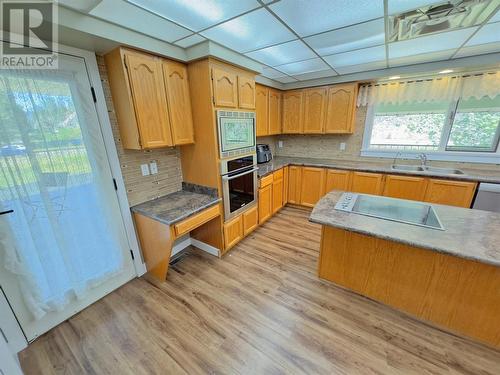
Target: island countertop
{"x": 470, "y": 234}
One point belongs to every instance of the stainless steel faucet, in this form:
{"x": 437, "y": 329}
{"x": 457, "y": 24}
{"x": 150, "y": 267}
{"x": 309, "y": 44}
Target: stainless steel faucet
{"x": 423, "y": 159}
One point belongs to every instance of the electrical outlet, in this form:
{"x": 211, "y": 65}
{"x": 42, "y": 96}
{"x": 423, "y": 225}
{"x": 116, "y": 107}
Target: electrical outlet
{"x": 153, "y": 167}
{"x": 280, "y": 144}
{"x": 342, "y": 146}
{"x": 145, "y": 169}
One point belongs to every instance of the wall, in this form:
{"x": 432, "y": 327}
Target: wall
{"x": 139, "y": 188}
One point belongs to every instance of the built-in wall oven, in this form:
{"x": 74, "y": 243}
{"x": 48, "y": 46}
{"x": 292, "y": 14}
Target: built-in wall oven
{"x": 239, "y": 184}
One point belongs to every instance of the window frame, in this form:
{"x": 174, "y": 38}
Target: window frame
{"x": 443, "y": 153}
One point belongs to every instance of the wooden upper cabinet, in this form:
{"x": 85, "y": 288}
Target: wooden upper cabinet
{"x": 405, "y": 187}
{"x": 337, "y": 180}
{"x": 274, "y": 112}
{"x": 246, "y": 92}
{"x": 367, "y": 183}
{"x": 341, "y": 108}
{"x": 314, "y": 110}
{"x": 262, "y": 110}
{"x": 149, "y": 98}
{"x": 452, "y": 193}
{"x": 313, "y": 185}
{"x": 225, "y": 88}
{"x": 293, "y": 112}
{"x": 179, "y": 102}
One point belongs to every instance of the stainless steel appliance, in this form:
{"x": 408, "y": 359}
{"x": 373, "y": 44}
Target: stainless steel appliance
{"x": 263, "y": 153}
{"x": 236, "y": 133}
{"x": 239, "y": 184}
{"x": 488, "y": 197}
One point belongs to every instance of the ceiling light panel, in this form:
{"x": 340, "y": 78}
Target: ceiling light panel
{"x": 129, "y": 16}
{"x": 195, "y": 14}
{"x": 362, "y": 35}
{"x": 430, "y": 43}
{"x": 254, "y": 30}
{"x": 312, "y": 17}
{"x": 480, "y": 49}
{"x": 285, "y": 79}
{"x": 360, "y": 56}
{"x": 283, "y": 53}
{"x": 398, "y": 6}
{"x": 312, "y": 65}
{"x": 496, "y": 17}
{"x": 361, "y": 67}
{"x": 489, "y": 33}
{"x": 271, "y": 73}
{"x": 315, "y": 75}
{"x": 422, "y": 58}
{"x": 190, "y": 41}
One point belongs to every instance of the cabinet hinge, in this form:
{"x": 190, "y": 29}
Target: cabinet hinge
{"x": 115, "y": 184}
{"x": 132, "y": 254}
{"x": 94, "y": 97}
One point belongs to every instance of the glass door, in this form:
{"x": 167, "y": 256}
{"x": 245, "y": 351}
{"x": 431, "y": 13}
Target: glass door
{"x": 63, "y": 243}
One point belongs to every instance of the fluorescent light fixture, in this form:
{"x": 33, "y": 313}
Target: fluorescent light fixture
{"x": 446, "y": 71}
{"x": 395, "y": 77}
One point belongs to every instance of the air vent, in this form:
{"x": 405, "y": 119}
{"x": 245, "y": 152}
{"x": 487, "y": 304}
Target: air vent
{"x": 438, "y": 18}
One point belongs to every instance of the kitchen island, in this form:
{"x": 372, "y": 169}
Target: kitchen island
{"x": 444, "y": 277}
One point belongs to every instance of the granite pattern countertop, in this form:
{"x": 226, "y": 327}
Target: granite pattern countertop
{"x": 477, "y": 174}
{"x": 470, "y": 234}
{"x": 177, "y": 206}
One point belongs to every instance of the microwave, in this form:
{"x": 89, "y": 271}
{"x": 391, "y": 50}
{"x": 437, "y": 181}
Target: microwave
{"x": 236, "y": 133}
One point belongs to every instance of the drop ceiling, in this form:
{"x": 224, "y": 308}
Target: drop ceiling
{"x": 298, "y": 40}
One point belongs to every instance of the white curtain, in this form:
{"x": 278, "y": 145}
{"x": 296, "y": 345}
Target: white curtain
{"x": 61, "y": 240}
{"x": 430, "y": 90}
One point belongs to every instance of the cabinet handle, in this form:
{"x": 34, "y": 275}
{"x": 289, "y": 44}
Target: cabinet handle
{"x": 6, "y": 212}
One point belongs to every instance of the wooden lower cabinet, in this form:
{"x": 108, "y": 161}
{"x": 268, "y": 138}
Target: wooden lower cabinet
{"x": 250, "y": 220}
{"x": 277, "y": 194}
{"x": 265, "y": 203}
{"x": 294, "y": 184}
{"x": 337, "y": 180}
{"x": 367, "y": 183}
{"x": 452, "y": 193}
{"x": 405, "y": 187}
{"x": 233, "y": 232}
{"x": 312, "y": 186}
{"x": 285, "y": 185}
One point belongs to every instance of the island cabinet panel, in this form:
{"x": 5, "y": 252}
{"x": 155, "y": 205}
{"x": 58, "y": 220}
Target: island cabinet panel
{"x": 246, "y": 92}
{"x": 262, "y": 110}
{"x": 313, "y": 186}
{"x": 314, "y": 110}
{"x": 225, "y": 87}
{"x": 405, "y": 187}
{"x": 274, "y": 112}
{"x": 294, "y": 184}
{"x": 454, "y": 293}
{"x": 367, "y": 183}
{"x": 337, "y": 180}
{"x": 452, "y": 193}
{"x": 265, "y": 203}
{"x": 179, "y": 102}
{"x": 293, "y": 112}
{"x": 149, "y": 98}
{"x": 277, "y": 191}
{"x": 250, "y": 220}
{"x": 233, "y": 232}
{"x": 341, "y": 109}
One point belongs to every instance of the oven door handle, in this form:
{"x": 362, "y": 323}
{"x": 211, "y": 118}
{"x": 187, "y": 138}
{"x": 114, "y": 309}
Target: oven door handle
{"x": 228, "y": 178}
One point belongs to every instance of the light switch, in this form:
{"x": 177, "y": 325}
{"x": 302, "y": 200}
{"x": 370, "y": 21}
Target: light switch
{"x": 145, "y": 169}
{"x": 280, "y": 144}
{"x": 153, "y": 167}
{"x": 342, "y": 146}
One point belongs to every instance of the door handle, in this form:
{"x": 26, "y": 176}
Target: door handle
{"x": 6, "y": 212}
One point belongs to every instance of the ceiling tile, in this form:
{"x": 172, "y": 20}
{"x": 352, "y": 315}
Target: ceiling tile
{"x": 197, "y": 15}
{"x": 422, "y": 58}
{"x": 430, "y": 43}
{"x": 315, "y": 75}
{"x": 400, "y": 6}
{"x": 190, "y": 41}
{"x": 285, "y": 79}
{"x": 139, "y": 20}
{"x": 306, "y": 66}
{"x": 480, "y": 49}
{"x": 359, "y": 56}
{"x": 362, "y": 35}
{"x": 361, "y": 67}
{"x": 283, "y": 53}
{"x": 312, "y": 17}
{"x": 496, "y": 17}
{"x": 271, "y": 73}
{"x": 254, "y": 30}
{"x": 489, "y": 33}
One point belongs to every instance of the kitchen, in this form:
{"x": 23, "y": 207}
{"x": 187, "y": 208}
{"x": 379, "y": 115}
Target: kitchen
{"x": 284, "y": 203}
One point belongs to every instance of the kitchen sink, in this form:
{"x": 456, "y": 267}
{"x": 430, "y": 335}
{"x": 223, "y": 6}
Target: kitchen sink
{"x": 409, "y": 168}
{"x": 417, "y": 168}
{"x": 444, "y": 170}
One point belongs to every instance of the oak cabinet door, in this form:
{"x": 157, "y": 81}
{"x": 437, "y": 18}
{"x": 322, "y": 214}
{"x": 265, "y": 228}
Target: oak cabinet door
{"x": 285, "y": 185}
{"x": 225, "y": 88}
{"x": 294, "y": 184}
{"x": 274, "y": 112}
{"x": 261, "y": 110}
{"x": 451, "y": 193}
{"x": 405, "y": 187}
{"x": 233, "y": 232}
{"x": 367, "y": 183}
{"x": 341, "y": 108}
{"x": 250, "y": 220}
{"x": 246, "y": 92}
{"x": 265, "y": 203}
{"x": 292, "y": 112}
{"x": 337, "y": 180}
{"x": 314, "y": 110}
{"x": 179, "y": 102}
{"x": 313, "y": 186}
{"x": 149, "y": 98}
{"x": 277, "y": 194}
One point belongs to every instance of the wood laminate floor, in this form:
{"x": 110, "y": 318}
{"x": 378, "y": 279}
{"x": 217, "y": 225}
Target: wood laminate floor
{"x": 259, "y": 310}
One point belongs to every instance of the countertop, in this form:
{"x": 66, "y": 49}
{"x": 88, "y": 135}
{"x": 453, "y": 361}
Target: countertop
{"x": 174, "y": 207}
{"x": 471, "y": 174}
{"x": 470, "y": 234}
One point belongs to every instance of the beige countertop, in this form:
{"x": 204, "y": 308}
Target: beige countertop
{"x": 470, "y": 234}
{"x": 491, "y": 175}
